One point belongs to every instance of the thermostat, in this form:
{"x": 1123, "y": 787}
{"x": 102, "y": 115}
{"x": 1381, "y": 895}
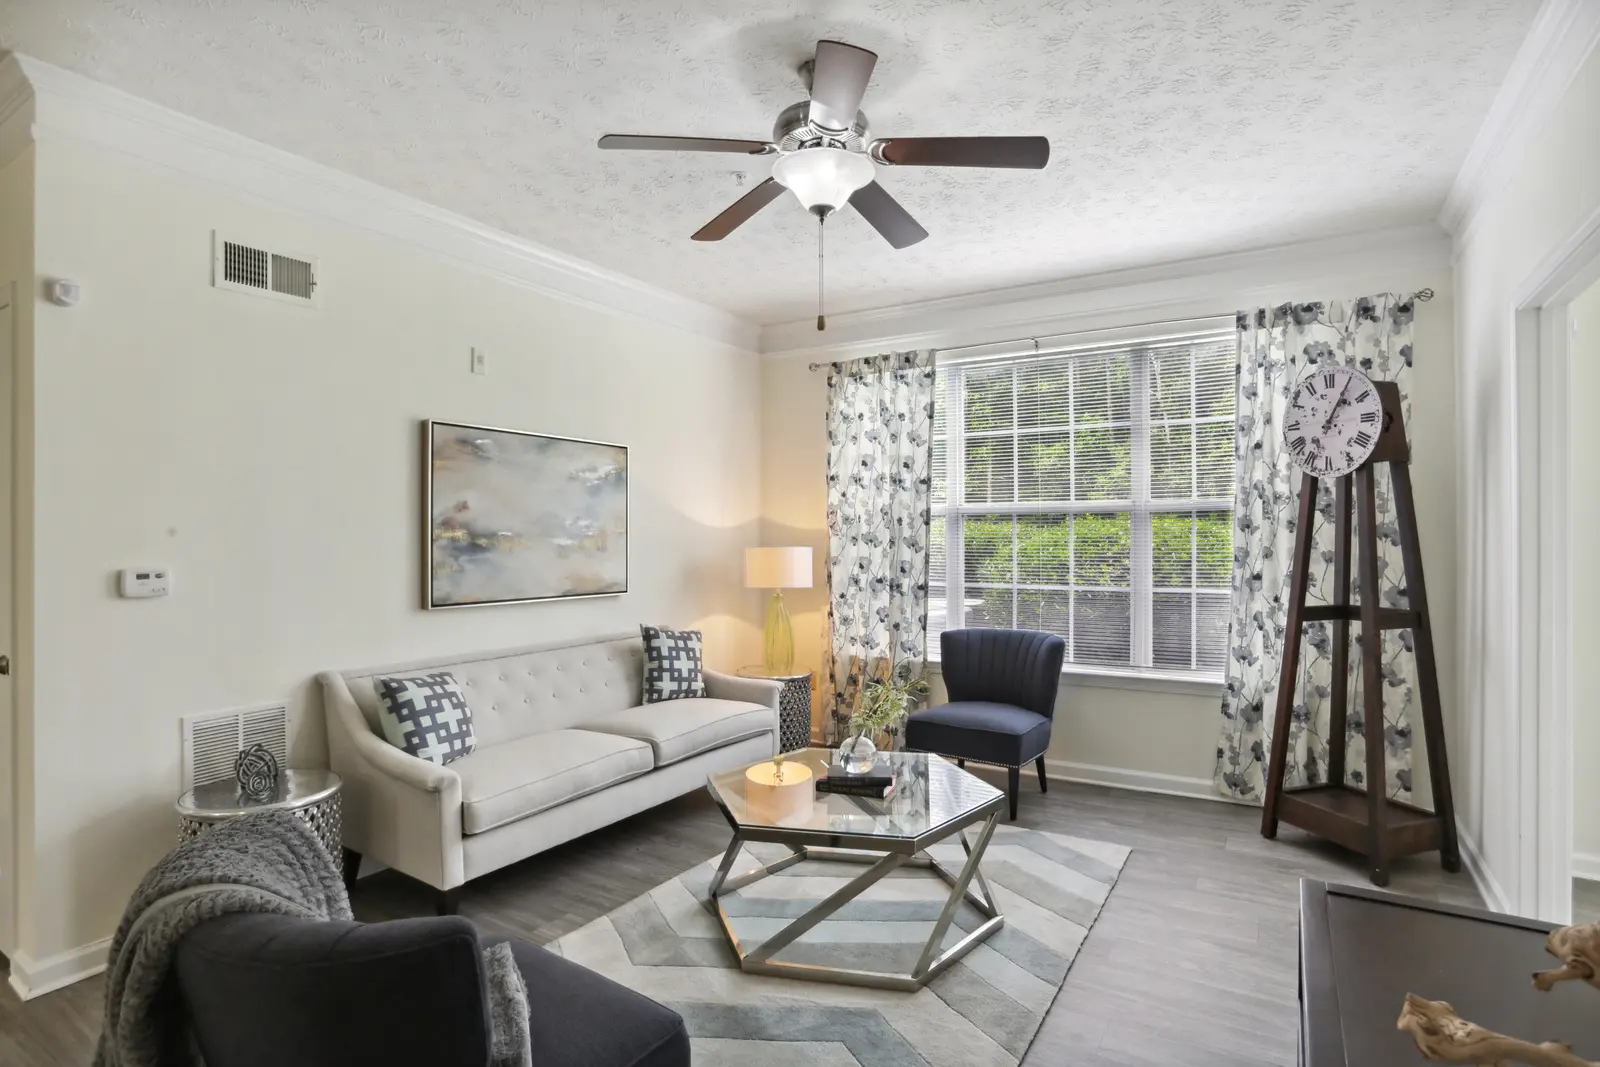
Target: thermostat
{"x": 138, "y": 582}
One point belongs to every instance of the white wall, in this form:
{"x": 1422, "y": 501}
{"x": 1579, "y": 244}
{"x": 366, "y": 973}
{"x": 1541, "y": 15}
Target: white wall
{"x": 269, "y": 454}
{"x": 1552, "y": 189}
{"x": 1583, "y": 513}
{"x": 1160, "y": 737}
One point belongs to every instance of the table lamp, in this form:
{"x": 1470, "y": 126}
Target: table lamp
{"x": 778, "y": 569}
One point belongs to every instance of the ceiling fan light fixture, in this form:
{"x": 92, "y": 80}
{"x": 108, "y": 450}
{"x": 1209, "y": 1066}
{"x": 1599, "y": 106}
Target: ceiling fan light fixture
{"x": 823, "y": 179}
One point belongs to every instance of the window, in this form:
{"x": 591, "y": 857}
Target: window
{"x": 1088, "y": 491}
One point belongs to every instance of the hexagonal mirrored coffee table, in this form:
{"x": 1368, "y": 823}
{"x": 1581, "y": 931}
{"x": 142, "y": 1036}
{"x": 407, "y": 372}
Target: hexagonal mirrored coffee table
{"x": 933, "y": 801}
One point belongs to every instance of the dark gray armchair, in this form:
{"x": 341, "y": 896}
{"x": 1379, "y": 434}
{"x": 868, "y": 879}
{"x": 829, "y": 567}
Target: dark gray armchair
{"x": 1002, "y": 688}
{"x": 272, "y": 990}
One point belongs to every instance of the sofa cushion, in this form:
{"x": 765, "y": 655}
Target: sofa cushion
{"x": 505, "y": 782}
{"x": 678, "y": 729}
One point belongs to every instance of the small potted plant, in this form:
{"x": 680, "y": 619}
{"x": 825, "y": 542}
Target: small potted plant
{"x": 884, "y": 704}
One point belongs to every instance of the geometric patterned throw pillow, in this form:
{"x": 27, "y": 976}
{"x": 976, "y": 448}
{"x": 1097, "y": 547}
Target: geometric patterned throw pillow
{"x": 672, "y": 664}
{"x": 426, "y": 715}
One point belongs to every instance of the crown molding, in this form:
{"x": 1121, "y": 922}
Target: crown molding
{"x": 67, "y": 106}
{"x": 1395, "y": 258}
{"x": 1563, "y": 34}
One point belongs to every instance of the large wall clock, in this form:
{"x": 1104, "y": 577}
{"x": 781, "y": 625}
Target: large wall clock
{"x": 1335, "y": 417}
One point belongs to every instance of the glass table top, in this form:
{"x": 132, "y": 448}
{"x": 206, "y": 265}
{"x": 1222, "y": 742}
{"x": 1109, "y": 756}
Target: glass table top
{"x": 930, "y": 794}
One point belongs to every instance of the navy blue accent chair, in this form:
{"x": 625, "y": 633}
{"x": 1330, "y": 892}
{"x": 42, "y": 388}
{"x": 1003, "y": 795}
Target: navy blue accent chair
{"x": 1002, "y": 687}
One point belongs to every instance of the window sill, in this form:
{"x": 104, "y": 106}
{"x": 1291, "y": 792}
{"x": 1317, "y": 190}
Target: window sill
{"x": 1146, "y": 683}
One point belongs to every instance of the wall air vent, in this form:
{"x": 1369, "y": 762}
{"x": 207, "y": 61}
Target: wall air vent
{"x": 213, "y": 740}
{"x": 249, "y": 268}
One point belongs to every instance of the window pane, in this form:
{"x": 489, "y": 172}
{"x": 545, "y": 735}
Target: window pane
{"x": 1172, "y": 631}
{"x": 1044, "y": 549}
{"x": 1103, "y": 456}
{"x": 1171, "y": 386}
{"x": 988, "y": 545}
{"x": 1214, "y": 549}
{"x": 1049, "y": 610}
{"x": 1102, "y": 629}
{"x": 988, "y": 607}
{"x": 1211, "y": 632}
{"x": 1172, "y": 462}
{"x": 1215, "y": 378}
{"x": 989, "y": 475}
{"x": 937, "y": 562}
{"x": 1214, "y": 470}
{"x": 986, "y": 398}
{"x": 1172, "y": 549}
{"x": 1102, "y": 549}
{"x": 1045, "y": 466}
{"x": 1044, "y": 392}
{"x": 937, "y": 615}
{"x": 1102, "y": 388}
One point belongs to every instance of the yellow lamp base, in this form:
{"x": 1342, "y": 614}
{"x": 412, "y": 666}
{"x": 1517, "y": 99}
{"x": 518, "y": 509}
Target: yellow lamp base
{"x": 779, "y": 637}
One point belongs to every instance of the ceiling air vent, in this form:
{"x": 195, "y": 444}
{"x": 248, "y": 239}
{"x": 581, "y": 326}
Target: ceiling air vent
{"x": 213, "y": 740}
{"x": 249, "y": 268}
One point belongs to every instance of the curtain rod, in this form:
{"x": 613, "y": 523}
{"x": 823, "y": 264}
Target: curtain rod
{"x": 1424, "y": 295}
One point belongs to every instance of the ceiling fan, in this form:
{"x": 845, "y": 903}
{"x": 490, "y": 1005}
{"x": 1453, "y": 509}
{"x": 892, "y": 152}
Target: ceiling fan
{"x": 827, "y": 158}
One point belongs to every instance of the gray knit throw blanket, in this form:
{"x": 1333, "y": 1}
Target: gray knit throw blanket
{"x": 262, "y": 862}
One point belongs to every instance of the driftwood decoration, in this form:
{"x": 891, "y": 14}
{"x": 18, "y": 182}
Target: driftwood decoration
{"x": 1445, "y": 1037}
{"x": 1578, "y": 949}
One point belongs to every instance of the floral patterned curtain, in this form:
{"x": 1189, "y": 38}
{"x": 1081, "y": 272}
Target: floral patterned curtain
{"x": 1277, "y": 347}
{"x": 880, "y": 446}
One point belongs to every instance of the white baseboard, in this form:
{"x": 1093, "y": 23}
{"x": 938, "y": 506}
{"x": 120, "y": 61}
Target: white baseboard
{"x": 1482, "y": 876}
{"x": 34, "y": 978}
{"x": 1586, "y": 865}
{"x": 1139, "y": 781}
{"x": 1122, "y": 778}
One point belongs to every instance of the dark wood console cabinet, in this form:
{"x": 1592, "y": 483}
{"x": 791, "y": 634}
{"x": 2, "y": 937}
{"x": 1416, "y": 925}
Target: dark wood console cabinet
{"x": 1363, "y": 950}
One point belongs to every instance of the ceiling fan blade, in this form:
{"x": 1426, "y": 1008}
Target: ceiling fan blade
{"x": 652, "y": 143}
{"x": 839, "y": 77}
{"x": 1020, "y": 153}
{"x": 739, "y": 212}
{"x": 887, "y": 216}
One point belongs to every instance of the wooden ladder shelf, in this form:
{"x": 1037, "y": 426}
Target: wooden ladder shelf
{"x": 1363, "y": 820}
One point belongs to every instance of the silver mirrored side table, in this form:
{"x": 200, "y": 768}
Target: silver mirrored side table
{"x": 794, "y": 706}
{"x": 312, "y": 796}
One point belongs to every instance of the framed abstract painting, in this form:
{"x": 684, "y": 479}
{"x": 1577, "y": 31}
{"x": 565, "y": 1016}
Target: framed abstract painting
{"x": 514, "y": 517}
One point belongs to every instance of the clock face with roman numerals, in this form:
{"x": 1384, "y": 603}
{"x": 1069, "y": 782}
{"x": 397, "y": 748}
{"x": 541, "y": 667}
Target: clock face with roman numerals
{"x": 1333, "y": 422}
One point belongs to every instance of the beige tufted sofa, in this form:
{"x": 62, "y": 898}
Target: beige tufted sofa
{"x": 564, "y": 746}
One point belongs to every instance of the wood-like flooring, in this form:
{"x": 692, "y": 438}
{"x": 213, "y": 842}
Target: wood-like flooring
{"x": 1192, "y": 962}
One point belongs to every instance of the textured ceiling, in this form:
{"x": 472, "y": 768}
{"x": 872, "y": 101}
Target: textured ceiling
{"x": 1178, "y": 127}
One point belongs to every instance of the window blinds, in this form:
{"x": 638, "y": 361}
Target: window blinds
{"x": 1088, "y": 491}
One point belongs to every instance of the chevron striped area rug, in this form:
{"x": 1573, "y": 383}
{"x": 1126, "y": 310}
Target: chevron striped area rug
{"x": 984, "y": 1010}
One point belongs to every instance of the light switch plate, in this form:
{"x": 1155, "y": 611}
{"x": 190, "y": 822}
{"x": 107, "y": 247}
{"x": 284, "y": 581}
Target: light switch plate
{"x": 480, "y": 361}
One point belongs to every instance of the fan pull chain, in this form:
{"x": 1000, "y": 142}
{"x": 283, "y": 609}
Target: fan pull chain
{"x": 822, "y": 322}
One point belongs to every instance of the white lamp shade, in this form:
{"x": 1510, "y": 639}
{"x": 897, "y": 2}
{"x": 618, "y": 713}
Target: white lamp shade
{"x": 777, "y": 568}
{"x": 823, "y": 177}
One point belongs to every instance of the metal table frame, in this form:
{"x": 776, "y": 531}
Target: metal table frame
{"x": 894, "y": 852}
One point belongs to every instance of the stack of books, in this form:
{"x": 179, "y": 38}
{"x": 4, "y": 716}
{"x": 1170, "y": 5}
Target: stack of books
{"x": 877, "y": 784}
